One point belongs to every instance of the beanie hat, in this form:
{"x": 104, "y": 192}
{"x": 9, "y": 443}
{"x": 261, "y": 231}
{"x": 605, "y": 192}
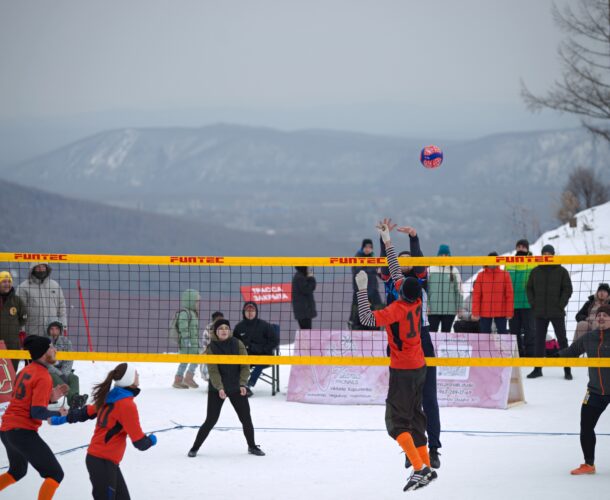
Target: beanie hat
{"x": 128, "y": 378}
{"x": 216, "y": 315}
{"x": 404, "y": 252}
{"x": 219, "y": 322}
{"x": 366, "y": 241}
{"x": 603, "y": 309}
{"x": 410, "y": 289}
{"x": 548, "y": 249}
{"x": 37, "y": 345}
{"x": 523, "y": 243}
{"x": 492, "y": 254}
{"x": 5, "y": 275}
{"x": 604, "y": 286}
{"x": 444, "y": 250}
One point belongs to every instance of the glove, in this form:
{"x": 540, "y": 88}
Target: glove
{"x": 362, "y": 280}
{"x": 384, "y": 232}
{"x": 153, "y": 439}
{"x": 554, "y": 354}
{"x": 58, "y": 420}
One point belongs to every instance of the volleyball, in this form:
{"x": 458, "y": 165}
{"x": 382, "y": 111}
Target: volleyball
{"x": 431, "y": 156}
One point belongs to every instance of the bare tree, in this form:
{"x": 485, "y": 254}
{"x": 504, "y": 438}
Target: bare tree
{"x": 584, "y": 88}
{"x": 584, "y": 189}
{"x": 568, "y": 207}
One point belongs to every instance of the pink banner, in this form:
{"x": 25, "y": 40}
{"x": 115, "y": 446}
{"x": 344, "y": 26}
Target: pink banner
{"x": 456, "y": 386}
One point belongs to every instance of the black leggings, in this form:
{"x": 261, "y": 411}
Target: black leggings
{"x": 592, "y": 408}
{"x": 25, "y": 446}
{"x": 304, "y": 324}
{"x": 242, "y": 408}
{"x": 445, "y": 321}
{"x": 106, "y": 478}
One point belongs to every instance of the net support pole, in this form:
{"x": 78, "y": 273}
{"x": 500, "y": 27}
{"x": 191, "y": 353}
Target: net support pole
{"x": 84, "y": 310}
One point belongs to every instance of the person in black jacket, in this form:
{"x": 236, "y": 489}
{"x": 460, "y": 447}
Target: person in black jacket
{"x": 258, "y": 336}
{"x": 588, "y": 312}
{"x": 595, "y": 344}
{"x": 303, "y": 302}
{"x": 372, "y": 290}
{"x": 227, "y": 381}
{"x": 549, "y": 289}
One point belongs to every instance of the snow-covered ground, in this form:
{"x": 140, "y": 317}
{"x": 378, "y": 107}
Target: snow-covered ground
{"x": 330, "y": 452}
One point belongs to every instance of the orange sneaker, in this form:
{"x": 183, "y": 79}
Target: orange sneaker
{"x": 583, "y": 469}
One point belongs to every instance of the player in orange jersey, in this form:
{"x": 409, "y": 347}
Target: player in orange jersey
{"x": 27, "y": 409}
{"x": 405, "y": 418}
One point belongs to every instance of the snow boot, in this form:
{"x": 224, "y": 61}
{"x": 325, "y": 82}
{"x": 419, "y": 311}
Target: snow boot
{"x": 537, "y": 372}
{"x": 256, "y": 450}
{"x": 189, "y": 381}
{"x": 178, "y": 383}
{"x": 435, "y": 461}
{"x": 567, "y": 373}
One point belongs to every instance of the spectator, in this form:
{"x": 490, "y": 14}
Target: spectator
{"x": 259, "y": 338}
{"x": 187, "y": 329}
{"x": 549, "y": 289}
{"x": 227, "y": 381}
{"x": 43, "y": 299}
{"x": 207, "y": 337}
{"x": 586, "y": 317}
{"x": 62, "y": 372}
{"x": 445, "y": 299}
{"x": 13, "y": 315}
{"x": 595, "y": 344}
{"x": 303, "y": 302}
{"x": 492, "y": 298}
{"x": 366, "y": 250}
{"x": 522, "y": 324}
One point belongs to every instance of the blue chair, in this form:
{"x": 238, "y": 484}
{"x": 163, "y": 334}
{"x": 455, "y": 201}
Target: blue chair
{"x": 273, "y": 378}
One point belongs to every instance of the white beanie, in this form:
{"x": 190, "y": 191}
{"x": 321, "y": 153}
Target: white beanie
{"x": 128, "y": 379}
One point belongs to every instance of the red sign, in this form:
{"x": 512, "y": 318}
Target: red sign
{"x": 267, "y": 294}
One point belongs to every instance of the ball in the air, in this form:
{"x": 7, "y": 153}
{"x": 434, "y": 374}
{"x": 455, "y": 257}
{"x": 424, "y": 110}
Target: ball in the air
{"x": 431, "y": 156}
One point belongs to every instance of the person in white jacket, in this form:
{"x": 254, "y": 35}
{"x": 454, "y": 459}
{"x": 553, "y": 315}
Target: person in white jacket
{"x": 43, "y": 298}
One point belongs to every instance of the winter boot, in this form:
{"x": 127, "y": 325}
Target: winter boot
{"x": 537, "y": 372}
{"x": 192, "y": 453}
{"x": 178, "y": 383}
{"x": 435, "y": 461}
{"x": 256, "y": 450}
{"x": 567, "y": 373}
{"x": 583, "y": 469}
{"x": 420, "y": 478}
{"x": 189, "y": 381}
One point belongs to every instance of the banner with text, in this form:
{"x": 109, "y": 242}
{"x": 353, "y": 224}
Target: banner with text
{"x": 267, "y": 294}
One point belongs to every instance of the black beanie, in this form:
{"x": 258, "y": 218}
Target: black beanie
{"x": 219, "y": 322}
{"x": 366, "y": 242}
{"x": 548, "y": 249}
{"x": 410, "y": 290}
{"x": 37, "y": 345}
{"x": 523, "y": 243}
{"x": 604, "y": 286}
{"x": 603, "y": 309}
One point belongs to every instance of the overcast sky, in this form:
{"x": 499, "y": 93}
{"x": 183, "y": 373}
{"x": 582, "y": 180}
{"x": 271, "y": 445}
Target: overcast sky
{"x": 444, "y": 67}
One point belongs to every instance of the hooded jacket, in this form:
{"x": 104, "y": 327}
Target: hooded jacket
{"x": 228, "y": 378}
{"x": 256, "y": 334}
{"x": 44, "y": 300}
{"x": 492, "y": 295}
{"x": 588, "y": 310}
{"x": 13, "y": 316}
{"x": 549, "y": 289}
{"x": 595, "y": 344}
{"x": 444, "y": 290}
{"x": 64, "y": 344}
{"x": 187, "y": 323}
{"x": 519, "y": 275}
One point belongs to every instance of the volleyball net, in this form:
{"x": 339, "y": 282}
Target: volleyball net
{"x": 122, "y": 308}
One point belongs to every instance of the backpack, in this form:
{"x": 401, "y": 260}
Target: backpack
{"x": 174, "y": 333}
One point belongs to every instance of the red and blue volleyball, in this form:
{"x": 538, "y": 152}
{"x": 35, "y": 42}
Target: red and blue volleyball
{"x": 431, "y": 156}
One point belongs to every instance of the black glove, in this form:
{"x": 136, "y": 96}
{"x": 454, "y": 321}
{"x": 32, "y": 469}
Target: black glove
{"x": 554, "y": 354}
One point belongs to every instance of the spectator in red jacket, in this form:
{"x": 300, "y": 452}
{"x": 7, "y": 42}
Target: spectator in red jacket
{"x": 492, "y": 298}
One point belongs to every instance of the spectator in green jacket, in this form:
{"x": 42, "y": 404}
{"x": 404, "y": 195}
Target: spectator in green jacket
{"x": 522, "y": 323}
{"x": 549, "y": 289}
{"x": 445, "y": 298}
{"x": 13, "y": 315}
{"x": 187, "y": 325}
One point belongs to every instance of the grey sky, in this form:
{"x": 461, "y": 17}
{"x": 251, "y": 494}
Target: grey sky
{"x": 434, "y": 66}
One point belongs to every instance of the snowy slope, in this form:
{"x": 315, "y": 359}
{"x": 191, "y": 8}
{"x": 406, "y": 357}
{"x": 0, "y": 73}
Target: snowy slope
{"x": 335, "y": 452}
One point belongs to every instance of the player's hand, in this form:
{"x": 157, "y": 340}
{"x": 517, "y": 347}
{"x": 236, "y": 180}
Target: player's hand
{"x": 243, "y": 391}
{"x": 362, "y": 280}
{"x": 222, "y": 394}
{"x": 407, "y": 230}
{"x": 59, "y": 391}
{"x": 474, "y": 318}
{"x": 63, "y": 411}
{"x": 385, "y": 227}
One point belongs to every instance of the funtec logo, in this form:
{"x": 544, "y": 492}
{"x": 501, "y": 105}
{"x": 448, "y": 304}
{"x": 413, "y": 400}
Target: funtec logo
{"x": 525, "y": 259}
{"x": 195, "y": 259}
{"x": 376, "y": 261}
{"x": 41, "y": 256}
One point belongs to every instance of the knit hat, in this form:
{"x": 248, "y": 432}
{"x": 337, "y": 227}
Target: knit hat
{"x": 523, "y": 243}
{"x": 37, "y": 345}
{"x": 219, "y": 322}
{"x": 366, "y": 241}
{"x": 5, "y": 275}
{"x": 548, "y": 249}
{"x": 410, "y": 290}
{"x": 128, "y": 378}
{"x": 604, "y": 286}
{"x": 444, "y": 250}
{"x": 603, "y": 309}
{"x": 216, "y": 315}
